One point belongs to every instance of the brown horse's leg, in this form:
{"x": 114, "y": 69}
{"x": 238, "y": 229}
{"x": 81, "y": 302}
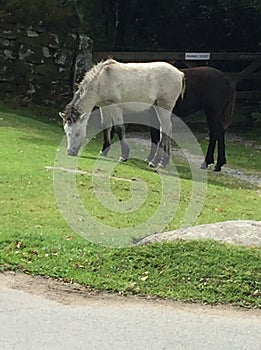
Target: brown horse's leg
{"x": 209, "y": 159}
{"x": 217, "y": 134}
{"x": 221, "y": 159}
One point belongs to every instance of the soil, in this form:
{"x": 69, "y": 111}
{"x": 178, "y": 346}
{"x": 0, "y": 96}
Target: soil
{"x": 253, "y": 179}
{"x": 75, "y": 294}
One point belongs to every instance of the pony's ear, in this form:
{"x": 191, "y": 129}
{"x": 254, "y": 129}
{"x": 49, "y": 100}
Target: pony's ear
{"x": 62, "y": 115}
{"x": 85, "y": 116}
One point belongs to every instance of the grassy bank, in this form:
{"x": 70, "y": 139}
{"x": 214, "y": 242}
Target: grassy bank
{"x": 35, "y": 238}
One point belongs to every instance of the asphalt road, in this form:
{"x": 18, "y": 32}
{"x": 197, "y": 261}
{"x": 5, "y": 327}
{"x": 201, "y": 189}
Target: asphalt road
{"x": 30, "y": 322}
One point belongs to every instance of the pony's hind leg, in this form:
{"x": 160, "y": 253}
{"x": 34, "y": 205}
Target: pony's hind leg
{"x": 155, "y": 137}
{"x": 165, "y": 156}
{"x": 154, "y": 128}
{"x": 162, "y": 155}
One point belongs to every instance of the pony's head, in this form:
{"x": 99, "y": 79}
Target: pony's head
{"x": 75, "y": 128}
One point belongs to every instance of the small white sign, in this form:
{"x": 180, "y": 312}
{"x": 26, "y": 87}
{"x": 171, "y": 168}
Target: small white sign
{"x": 197, "y": 56}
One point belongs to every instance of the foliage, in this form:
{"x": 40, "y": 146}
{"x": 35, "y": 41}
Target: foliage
{"x": 178, "y": 25}
{"x": 213, "y": 25}
{"x": 49, "y": 13}
{"x": 256, "y": 119}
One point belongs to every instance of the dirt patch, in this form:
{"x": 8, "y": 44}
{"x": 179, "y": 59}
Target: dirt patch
{"x": 55, "y": 289}
{"x": 253, "y": 179}
{"x": 76, "y": 294}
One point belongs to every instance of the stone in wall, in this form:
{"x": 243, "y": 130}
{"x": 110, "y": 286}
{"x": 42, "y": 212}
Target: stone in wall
{"x": 9, "y": 32}
{"x": 38, "y": 64}
{"x": 29, "y": 53}
{"x": 10, "y": 45}
{"x": 38, "y": 46}
{"x": 6, "y": 71}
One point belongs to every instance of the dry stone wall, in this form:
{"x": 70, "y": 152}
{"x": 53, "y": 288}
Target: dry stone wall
{"x": 38, "y": 65}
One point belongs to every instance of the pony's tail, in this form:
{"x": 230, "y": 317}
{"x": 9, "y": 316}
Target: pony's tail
{"x": 184, "y": 84}
{"x": 229, "y": 103}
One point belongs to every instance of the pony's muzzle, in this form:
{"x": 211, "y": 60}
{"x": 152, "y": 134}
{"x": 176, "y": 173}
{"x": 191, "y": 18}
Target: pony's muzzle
{"x": 71, "y": 153}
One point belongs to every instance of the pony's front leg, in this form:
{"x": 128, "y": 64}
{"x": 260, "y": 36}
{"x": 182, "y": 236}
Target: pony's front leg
{"x": 163, "y": 152}
{"x": 155, "y": 138}
{"x": 107, "y": 136}
{"x": 125, "y": 150}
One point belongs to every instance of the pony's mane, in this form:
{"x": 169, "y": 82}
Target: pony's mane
{"x": 71, "y": 109}
{"x": 71, "y": 113}
{"x": 93, "y": 73}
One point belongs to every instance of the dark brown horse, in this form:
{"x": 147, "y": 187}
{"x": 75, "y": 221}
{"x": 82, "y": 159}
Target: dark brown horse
{"x": 208, "y": 89}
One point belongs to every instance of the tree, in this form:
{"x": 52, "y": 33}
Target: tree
{"x": 178, "y": 25}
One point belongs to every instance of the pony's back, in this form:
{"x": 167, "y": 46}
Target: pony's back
{"x": 141, "y": 82}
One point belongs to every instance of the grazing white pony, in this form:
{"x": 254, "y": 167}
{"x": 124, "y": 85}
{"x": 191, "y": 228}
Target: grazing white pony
{"x": 114, "y": 83}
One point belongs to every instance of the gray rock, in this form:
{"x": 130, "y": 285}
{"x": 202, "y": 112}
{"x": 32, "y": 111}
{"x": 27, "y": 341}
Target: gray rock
{"x": 8, "y": 54}
{"x": 31, "y": 33}
{"x": 244, "y": 232}
{"x": 9, "y": 34}
{"x": 46, "y": 52}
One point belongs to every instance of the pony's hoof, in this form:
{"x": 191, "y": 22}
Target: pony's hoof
{"x": 204, "y": 166}
{"x": 161, "y": 166}
{"x": 103, "y": 154}
{"x": 151, "y": 165}
{"x": 122, "y": 159}
{"x": 217, "y": 169}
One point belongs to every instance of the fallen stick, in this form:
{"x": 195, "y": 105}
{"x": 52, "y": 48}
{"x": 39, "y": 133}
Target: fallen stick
{"x": 76, "y": 171}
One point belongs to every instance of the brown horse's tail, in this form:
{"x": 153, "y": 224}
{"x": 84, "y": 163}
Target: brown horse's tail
{"x": 229, "y": 103}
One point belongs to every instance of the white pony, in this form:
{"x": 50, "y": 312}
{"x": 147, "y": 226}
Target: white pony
{"x": 114, "y": 83}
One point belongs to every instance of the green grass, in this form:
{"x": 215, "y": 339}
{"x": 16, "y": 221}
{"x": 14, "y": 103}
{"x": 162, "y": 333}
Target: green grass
{"x": 35, "y": 238}
{"x": 204, "y": 271}
{"x": 245, "y": 158}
